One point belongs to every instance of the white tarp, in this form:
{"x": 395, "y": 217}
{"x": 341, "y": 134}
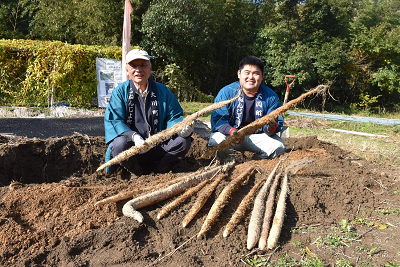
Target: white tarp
{"x": 109, "y": 75}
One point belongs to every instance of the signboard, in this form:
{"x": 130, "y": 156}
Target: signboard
{"x": 109, "y": 75}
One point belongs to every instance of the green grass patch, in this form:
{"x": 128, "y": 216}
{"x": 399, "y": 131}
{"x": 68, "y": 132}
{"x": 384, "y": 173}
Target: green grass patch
{"x": 308, "y": 259}
{"x": 392, "y": 264}
{"x": 254, "y": 260}
{"x": 364, "y": 127}
{"x": 388, "y": 211}
{"x": 192, "y": 107}
{"x": 377, "y": 150}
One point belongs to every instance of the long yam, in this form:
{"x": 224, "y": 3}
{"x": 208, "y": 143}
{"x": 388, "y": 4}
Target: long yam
{"x": 182, "y": 198}
{"x": 279, "y": 215}
{"x": 129, "y": 209}
{"x": 269, "y": 209}
{"x": 253, "y": 233}
{"x": 222, "y": 200}
{"x": 115, "y": 198}
{"x": 242, "y": 208}
{"x": 202, "y": 199}
{"x": 128, "y": 194}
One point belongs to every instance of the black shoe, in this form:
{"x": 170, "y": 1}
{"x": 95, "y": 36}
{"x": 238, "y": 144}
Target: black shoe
{"x": 132, "y": 166}
{"x": 125, "y": 174}
{"x": 161, "y": 168}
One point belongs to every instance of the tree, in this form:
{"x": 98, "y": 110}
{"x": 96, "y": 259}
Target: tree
{"x": 206, "y": 39}
{"x": 14, "y": 21}
{"x": 309, "y": 40}
{"x": 375, "y": 34}
{"x": 235, "y": 28}
{"x": 176, "y": 31}
{"x": 77, "y": 22}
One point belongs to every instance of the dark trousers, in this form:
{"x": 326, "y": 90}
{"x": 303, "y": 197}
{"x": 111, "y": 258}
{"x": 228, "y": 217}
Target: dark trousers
{"x": 167, "y": 154}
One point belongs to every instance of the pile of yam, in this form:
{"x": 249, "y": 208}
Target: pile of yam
{"x": 266, "y": 219}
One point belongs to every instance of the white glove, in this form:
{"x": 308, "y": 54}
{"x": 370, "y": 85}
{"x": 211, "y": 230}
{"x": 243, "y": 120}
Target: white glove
{"x": 137, "y": 139}
{"x": 186, "y": 131}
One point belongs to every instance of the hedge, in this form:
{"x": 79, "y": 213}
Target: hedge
{"x": 31, "y": 70}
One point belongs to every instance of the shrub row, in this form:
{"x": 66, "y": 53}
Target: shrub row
{"x": 30, "y": 71}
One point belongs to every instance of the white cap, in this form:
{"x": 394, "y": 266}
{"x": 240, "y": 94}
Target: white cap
{"x": 136, "y": 54}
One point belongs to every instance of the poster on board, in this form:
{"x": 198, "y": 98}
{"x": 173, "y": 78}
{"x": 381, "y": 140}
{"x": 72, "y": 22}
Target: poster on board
{"x": 109, "y": 75}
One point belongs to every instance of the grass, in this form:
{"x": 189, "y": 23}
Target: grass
{"x": 192, "y": 107}
{"x": 339, "y": 238}
{"x": 378, "y": 150}
{"x": 388, "y": 211}
{"x": 254, "y": 261}
{"x": 308, "y": 259}
{"x": 296, "y": 243}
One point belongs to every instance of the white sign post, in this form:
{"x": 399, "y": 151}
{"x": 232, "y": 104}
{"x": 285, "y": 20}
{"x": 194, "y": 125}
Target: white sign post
{"x": 109, "y": 75}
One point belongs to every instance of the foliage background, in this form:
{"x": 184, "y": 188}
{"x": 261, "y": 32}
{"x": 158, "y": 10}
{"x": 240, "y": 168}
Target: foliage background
{"x": 197, "y": 44}
{"x": 30, "y": 71}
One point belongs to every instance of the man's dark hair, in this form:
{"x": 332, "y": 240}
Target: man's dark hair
{"x": 252, "y": 60}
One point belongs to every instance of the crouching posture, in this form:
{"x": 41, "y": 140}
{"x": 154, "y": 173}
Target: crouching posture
{"x": 139, "y": 108}
{"x": 256, "y": 101}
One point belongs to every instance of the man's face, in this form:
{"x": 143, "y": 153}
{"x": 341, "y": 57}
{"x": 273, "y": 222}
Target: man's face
{"x": 139, "y": 71}
{"x": 250, "y": 78}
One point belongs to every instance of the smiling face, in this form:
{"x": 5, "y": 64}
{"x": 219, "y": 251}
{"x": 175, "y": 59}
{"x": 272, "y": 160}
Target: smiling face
{"x": 139, "y": 71}
{"x": 250, "y": 78}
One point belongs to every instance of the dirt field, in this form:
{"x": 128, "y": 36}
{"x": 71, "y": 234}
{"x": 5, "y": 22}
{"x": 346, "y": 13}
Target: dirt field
{"x": 48, "y": 218}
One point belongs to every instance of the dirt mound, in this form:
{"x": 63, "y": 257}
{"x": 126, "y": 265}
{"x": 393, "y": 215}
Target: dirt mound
{"x": 47, "y": 216}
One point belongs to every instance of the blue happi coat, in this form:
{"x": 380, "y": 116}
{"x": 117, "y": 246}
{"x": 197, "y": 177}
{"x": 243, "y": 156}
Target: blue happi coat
{"x": 224, "y": 115}
{"x": 170, "y": 112}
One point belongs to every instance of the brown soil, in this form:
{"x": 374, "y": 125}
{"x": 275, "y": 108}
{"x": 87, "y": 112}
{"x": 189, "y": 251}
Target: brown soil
{"x": 49, "y": 186}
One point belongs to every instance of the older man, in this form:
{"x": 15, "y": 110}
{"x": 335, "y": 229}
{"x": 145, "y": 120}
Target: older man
{"x": 256, "y": 101}
{"x": 139, "y": 108}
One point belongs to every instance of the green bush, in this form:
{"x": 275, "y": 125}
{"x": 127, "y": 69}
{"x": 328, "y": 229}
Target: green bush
{"x": 31, "y": 70}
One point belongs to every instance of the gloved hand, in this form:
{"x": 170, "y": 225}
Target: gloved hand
{"x": 186, "y": 131}
{"x": 234, "y": 131}
{"x": 137, "y": 139}
{"x": 271, "y": 127}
